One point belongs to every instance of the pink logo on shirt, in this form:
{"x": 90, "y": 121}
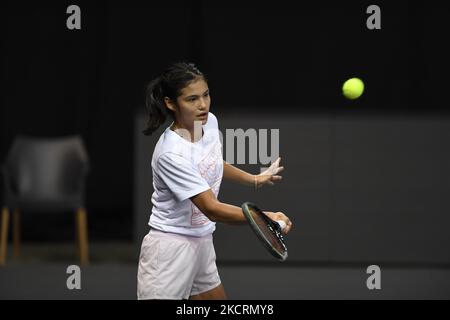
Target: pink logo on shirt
{"x": 210, "y": 168}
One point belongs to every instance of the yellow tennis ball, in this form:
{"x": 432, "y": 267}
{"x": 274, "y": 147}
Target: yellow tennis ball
{"x": 353, "y": 88}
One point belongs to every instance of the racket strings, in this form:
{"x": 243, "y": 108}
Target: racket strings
{"x": 277, "y": 231}
{"x": 271, "y": 232}
{"x": 267, "y": 230}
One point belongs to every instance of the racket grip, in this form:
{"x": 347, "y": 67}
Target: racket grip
{"x": 282, "y": 224}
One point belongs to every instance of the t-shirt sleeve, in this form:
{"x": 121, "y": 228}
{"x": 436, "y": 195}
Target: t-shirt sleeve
{"x": 180, "y": 176}
{"x": 213, "y": 126}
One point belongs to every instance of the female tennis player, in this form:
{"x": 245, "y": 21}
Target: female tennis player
{"x": 177, "y": 259}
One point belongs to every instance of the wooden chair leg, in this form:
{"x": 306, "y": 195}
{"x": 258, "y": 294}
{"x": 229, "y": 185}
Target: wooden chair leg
{"x": 82, "y": 236}
{"x": 16, "y": 233}
{"x": 4, "y": 235}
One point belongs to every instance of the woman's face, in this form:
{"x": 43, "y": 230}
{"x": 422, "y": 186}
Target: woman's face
{"x": 193, "y": 104}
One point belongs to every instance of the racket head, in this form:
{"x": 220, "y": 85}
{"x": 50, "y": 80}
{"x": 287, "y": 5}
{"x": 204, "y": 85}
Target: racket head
{"x": 267, "y": 230}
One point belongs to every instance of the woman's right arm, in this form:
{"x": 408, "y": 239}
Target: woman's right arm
{"x": 217, "y": 211}
{"x": 221, "y": 212}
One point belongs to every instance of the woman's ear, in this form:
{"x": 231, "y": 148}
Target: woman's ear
{"x": 169, "y": 104}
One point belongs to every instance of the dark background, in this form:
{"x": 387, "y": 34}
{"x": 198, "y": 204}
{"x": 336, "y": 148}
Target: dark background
{"x": 279, "y": 57}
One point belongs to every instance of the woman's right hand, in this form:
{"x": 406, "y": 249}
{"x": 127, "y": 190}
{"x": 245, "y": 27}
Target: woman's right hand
{"x": 280, "y": 216}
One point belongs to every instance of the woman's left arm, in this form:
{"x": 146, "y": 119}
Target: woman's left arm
{"x": 269, "y": 176}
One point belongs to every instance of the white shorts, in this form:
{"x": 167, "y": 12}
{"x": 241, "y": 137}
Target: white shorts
{"x": 174, "y": 266}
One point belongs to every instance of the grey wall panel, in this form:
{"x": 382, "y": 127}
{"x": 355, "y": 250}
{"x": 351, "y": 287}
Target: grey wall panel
{"x": 391, "y": 182}
{"x": 359, "y": 188}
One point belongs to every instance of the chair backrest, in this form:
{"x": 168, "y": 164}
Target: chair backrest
{"x": 47, "y": 168}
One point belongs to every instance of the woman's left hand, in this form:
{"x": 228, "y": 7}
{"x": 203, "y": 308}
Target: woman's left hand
{"x": 270, "y": 175}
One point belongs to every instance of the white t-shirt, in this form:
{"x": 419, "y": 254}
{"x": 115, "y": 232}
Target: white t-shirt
{"x": 182, "y": 169}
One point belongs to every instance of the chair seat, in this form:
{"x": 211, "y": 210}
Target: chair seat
{"x": 30, "y": 203}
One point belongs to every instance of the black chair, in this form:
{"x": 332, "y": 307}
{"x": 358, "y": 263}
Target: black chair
{"x": 44, "y": 175}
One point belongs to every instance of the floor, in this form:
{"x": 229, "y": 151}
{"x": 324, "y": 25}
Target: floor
{"x": 41, "y": 273}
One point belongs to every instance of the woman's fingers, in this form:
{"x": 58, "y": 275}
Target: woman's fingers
{"x": 275, "y": 164}
{"x": 287, "y": 229}
{"x": 280, "y": 216}
{"x": 286, "y": 220}
{"x": 271, "y": 174}
{"x": 288, "y": 226}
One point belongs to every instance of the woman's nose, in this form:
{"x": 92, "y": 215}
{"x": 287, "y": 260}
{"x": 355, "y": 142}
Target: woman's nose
{"x": 203, "y": 103}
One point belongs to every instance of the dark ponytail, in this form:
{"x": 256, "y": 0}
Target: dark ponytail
{"x": 154, "y": 102}
{"x": 169, "y": 84}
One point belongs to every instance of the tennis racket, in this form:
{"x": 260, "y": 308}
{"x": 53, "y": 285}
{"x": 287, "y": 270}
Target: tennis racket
{"x": 267, "y": 230}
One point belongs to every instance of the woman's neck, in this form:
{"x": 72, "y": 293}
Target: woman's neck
{"x": 191, "y": 134}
